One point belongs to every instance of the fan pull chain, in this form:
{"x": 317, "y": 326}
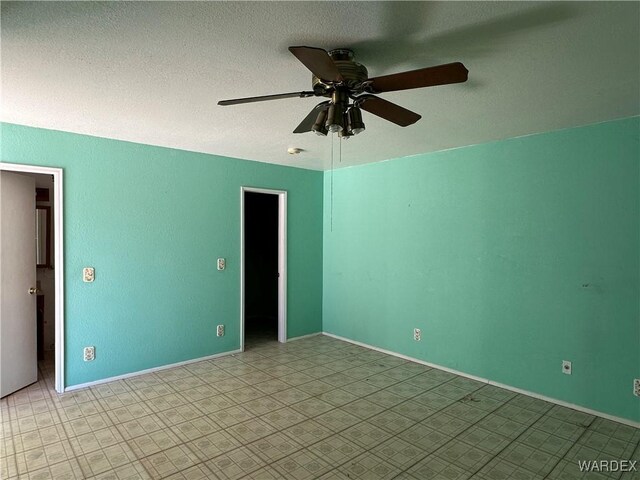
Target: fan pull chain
{"x": 332, "y": 137}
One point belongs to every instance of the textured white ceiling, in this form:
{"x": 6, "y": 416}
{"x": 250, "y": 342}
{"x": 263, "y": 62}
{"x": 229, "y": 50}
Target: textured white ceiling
{"x": 152, "y": 72}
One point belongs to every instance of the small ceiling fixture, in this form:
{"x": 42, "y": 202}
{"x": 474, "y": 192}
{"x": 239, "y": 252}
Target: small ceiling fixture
{"x": 294, "y": 150}
{"x": 347, "y": 85}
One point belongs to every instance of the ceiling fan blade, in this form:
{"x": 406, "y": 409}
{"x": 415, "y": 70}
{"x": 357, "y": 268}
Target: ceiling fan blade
{"x": 237, "y": 101}
{"x": 423, "y": 77}
{"x": 318, "y": 61}
{"x": 309, "y": 120}
{"x": 387, "y": 110}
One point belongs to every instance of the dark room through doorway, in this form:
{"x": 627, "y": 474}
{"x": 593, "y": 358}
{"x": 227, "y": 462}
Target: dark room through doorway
{"x": 261, "y": 266}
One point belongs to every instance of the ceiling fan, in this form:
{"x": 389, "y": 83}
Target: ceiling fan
{"x": 337, "y": 76}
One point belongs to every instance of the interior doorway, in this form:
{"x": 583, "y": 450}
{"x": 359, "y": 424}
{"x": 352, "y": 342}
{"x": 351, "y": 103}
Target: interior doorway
{"x": 263, "y": 265}
{"x": 49, "y": 265}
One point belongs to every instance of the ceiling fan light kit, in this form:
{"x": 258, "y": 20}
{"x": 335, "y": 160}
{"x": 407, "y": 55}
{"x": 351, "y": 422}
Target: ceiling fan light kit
{"x": 319, "y": 126}
{"x": 336, "y": 75}
{"x": 356, "y": 125}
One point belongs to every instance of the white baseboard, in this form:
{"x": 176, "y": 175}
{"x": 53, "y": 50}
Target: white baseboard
{"x": 148, "y": 370}
{"x": 625, "y": 421}
{"x": 293, "y": 339}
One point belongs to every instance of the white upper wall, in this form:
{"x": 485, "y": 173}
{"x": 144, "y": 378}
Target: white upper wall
{"x": 152, "y": 72}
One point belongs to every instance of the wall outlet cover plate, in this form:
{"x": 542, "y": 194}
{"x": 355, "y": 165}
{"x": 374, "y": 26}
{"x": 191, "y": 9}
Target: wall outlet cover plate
{"x": 89, "y": 353}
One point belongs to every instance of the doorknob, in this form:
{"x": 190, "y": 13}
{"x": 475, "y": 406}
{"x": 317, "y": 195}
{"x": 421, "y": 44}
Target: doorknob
{"x": 34, "y": 290}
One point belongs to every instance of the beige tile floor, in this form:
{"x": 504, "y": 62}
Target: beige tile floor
{"x": 316, "y": 408}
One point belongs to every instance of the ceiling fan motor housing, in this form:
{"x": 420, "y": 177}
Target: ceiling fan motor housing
{"x": 353, "y": 73}
{"x": 346, "y": 83}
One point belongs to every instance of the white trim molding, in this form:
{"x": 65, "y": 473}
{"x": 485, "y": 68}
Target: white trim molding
{"x": 302, "y": 337}
{"x": 149, "y": 370}
{"x": 282, "y": 261}
{"x": 58, "y": 251}
{"x": 562, "y": 403}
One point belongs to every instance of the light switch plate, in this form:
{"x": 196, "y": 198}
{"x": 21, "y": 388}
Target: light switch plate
{"x": 88, "y": 274}
{"x": 222, "y": 264}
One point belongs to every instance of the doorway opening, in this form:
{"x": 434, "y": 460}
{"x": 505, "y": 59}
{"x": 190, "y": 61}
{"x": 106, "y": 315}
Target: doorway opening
{"x": 263, "y": 266}
{"x": 49, "y": 267}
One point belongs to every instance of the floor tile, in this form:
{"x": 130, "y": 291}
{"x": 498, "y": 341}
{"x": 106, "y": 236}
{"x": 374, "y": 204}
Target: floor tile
{"x": 274, "y": 447}
{"x": 363, "y": 408}
{"x": 484, "y": 439}
{"x": 64, "y": 470}
{"x": 425, "y": 438}
{"x": 559, "y": 428}
{"x": 518, "y": 414}
{"x": 531, "y": 459}
{"x": 212, "y": 445}
{"x": 499, "y": 469}
{"x": 545, "y": 441}
{"x": 338, "y": 397}
{"x": 391, "y": 422}
{"x": 435, "y": 468}
{"x": 230, "y": 416}
{"x": 312, "y": 407}
{"x": 337, "y": 419}
{"x": 131, "y": 471}
{"x": 97, "y": 440}
{"x": 284, "y": 418}
{"x": 616, "y": 430}
{"x": 316, "y": 408}
{"x": 385, "y": 398}
{"x": 446, "y": 424}
{"x": 502, "y": 425}
{"x": 168, "y": 462}
{"x": 366, "y": 435}
{"x": 569, "y": 415}
{"x": 308, "y": 432}
{"x": 399, "y": 453}
{"x": 106, "y": 459}
{"x": 369, "y": 466}
{"x": 566, "y": 470}
{"x": 336, "y": 450}
{"x": 153, "y": 443}
{"x": 235, "y": 464}
{"x": 302, "y": 465}
{"x": 463, "y": 455}
{"x": 251, "y": 430}
{"x": 196, "y": 472}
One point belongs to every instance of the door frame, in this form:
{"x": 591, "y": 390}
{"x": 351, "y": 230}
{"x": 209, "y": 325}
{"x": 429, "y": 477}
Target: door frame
{"x": 58, "y": 255}
{"x": 282, "y": 261}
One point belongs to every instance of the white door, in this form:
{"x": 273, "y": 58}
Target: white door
{"x": 18, "y": 354}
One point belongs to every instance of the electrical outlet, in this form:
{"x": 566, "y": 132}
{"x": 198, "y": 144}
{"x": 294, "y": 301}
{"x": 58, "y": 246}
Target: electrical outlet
{"x": 636, "y": 387}
{"x": 220, "y": 331}
{"x": 566, "y": 367}
{"x": 222, "y": 264}
{"x": 417, "y": 334}
{"x": 89, "y": 354}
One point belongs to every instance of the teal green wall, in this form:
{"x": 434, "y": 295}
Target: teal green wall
{"x": 510, "y": 256}
{"x": 152, "y": 221}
